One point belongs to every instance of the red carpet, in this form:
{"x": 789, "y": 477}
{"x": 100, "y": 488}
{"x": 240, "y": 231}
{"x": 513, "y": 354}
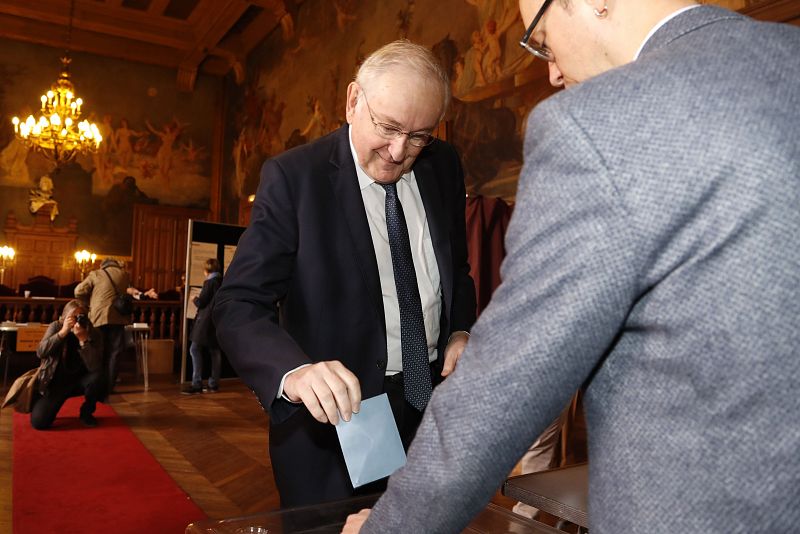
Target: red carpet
{"x": 73, "y": 479}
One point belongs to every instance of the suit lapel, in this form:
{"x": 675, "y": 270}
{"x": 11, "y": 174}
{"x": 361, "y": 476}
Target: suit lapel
{"x": 351, "y": 207}
{"x": 437, "y": 224}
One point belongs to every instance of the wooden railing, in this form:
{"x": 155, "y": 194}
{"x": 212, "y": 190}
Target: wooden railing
{"x": 164, "y": 317}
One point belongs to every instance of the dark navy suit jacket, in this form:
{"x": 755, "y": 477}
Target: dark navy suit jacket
{"x": 304, "y": 287}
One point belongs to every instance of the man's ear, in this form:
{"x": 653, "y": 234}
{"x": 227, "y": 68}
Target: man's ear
{"x": 599, "y": 7}
{"x": 353, "y": 92}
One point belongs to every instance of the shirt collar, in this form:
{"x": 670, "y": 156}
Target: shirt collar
{"x": 213, "y": 275}
{"x": 659, "y": 25}
{"x": 364, "y": 180}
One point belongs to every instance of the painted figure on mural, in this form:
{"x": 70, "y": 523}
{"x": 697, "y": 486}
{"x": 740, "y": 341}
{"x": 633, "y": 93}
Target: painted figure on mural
{"x": 13, "y": 162}
{"x": 43, "y": 196}
{"x": 168, "y": 134}
{"x": 102, "y": 157}
{"x": 492, "y": 53}
{"x": 291, "y": 8}
{"x": 241, "y": 149}
{"x": 192, "y": 154}
{"x": 473, "y": 60}
{"x": 122, "y": 141}
{"x": 271, "y": 119}
{"x": 484, "y": 61}
{"x": 316, "y": 126}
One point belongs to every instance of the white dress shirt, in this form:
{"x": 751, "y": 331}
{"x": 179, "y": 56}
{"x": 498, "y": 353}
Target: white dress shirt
{"x": 425, "y": 265}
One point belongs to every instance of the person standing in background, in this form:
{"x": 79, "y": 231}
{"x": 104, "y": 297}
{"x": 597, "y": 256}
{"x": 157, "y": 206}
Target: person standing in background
{"x": 98, "y": 290}
{"x": 204, "y": 337}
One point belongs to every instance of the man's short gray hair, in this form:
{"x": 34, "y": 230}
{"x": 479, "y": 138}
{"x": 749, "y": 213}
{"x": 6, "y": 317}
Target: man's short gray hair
{"x": 404, "y": 54}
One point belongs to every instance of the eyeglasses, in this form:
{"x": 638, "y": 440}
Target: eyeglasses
{"x": 538, "y": 50}
{"x": 389, "y": 131}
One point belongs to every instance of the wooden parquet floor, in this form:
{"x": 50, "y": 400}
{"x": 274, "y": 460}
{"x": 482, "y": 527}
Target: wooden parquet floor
{"x": 214, "y": 446}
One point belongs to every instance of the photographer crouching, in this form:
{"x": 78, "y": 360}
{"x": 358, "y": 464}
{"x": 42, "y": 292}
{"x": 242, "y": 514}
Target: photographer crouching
{"x": 72, "y": 364}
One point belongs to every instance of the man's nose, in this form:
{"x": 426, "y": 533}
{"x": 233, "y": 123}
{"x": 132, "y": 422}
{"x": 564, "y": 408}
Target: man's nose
{"x": 398, "y": 147}
{"x": 556, "y": 78}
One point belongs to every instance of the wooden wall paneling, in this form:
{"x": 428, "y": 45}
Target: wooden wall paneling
{"x": 787, "y": 11}
{"x": 159, "y": 245}
{"x": 42, "y": 249}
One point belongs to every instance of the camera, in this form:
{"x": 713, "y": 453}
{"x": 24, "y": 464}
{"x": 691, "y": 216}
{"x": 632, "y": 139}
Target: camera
{"x": 82, "y": 320}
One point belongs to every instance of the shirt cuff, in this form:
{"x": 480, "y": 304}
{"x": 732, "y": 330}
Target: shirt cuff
{"x": 457, "y": 332}
{"x": 280, "y": 387}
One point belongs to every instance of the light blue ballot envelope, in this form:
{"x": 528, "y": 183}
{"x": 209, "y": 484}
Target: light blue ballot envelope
{"x": 370, "y": 442}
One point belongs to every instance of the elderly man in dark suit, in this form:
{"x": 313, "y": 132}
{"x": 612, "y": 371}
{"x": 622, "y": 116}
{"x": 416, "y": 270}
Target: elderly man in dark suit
{"x": 352, "y": 278}
{"x": 653, "y": 257}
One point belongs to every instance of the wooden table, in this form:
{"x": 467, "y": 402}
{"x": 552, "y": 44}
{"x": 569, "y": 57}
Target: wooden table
{"x": 562, "y": 492}
{"x": 329, "y": 518}
{"x": 29, "y": 335}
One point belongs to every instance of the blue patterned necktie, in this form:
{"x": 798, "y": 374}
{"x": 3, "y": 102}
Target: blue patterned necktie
{"x": 413, "y": 342}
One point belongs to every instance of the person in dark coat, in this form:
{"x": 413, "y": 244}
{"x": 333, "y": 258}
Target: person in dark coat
{"x": 204, "y": 337}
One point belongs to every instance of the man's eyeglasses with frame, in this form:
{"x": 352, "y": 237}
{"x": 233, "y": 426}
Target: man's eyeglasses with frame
{"x": 538, "y": 50}
{"x": 390, "y": 131}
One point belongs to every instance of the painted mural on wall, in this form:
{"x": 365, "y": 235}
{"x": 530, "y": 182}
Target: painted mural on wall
{"x": 165, "y": 160}
{"x": 297, "y": 80}
{"x": 155, "y": 143}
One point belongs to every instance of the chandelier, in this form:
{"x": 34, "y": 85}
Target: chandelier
{"x": 84, "y": 259}
{"x": 58, "y": 134}
{"x": 7, "y": 255}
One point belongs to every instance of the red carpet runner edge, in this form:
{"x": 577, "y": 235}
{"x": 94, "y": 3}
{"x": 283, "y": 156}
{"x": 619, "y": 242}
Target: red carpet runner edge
{"x": 92, "y": 480}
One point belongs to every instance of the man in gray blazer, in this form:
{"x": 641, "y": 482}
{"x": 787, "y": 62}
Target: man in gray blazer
{"x": 653, "y": 257}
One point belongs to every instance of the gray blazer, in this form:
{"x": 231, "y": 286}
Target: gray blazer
{"x": 654, "y": 257}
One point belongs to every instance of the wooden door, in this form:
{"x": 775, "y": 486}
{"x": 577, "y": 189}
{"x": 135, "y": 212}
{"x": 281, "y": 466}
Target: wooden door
{"x": 159, "y": 245}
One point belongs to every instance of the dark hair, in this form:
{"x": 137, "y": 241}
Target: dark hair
{"x": 212, "y": 265}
